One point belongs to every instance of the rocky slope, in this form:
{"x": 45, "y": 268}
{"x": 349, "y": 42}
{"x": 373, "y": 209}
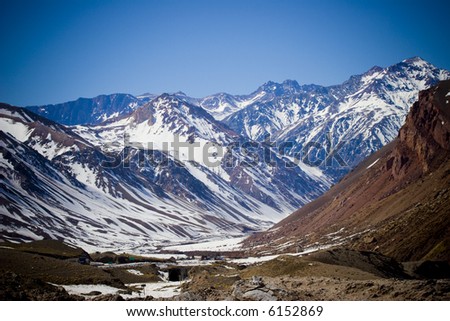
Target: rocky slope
{"x": 394, "y": 202}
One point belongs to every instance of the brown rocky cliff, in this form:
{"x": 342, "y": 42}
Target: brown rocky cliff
{"x": 425, "y": 136}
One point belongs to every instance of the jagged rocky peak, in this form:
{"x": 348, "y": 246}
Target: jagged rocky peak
{"x": 172, "y": 101}
{"x": 289, "y": 83}
{"x": 416, "y": 60}
{"x": 180, "y": 93}
{"x": 373, "y": 70}
{"x": 147, "y": 111}
{"x": 286, "y": 87}
{"x": 165, "y": 104}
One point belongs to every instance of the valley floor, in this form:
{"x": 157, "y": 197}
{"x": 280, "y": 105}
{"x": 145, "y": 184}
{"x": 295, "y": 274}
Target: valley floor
{"x": 50, "y": 271}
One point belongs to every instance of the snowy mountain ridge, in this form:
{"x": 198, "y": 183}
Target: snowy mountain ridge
{"x": 158, "y": 169}
{"x": 361, "y": 115}
{"x": 72, "y": 184}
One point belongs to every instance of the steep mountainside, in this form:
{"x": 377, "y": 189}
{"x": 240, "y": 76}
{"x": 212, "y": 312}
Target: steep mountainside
{"x": 395, "y": 202}
{"x": 108, "y": 187}
{"x": 90, "y": 110}
{"x": 279, "y": 184}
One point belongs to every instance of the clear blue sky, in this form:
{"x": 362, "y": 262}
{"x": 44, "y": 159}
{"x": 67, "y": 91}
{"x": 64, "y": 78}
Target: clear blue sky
{"x": 55, "y": 51}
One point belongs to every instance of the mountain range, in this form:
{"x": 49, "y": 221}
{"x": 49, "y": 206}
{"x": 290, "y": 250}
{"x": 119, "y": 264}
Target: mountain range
{"x": 394, "y": 202}
{"x": 109, "y": 172}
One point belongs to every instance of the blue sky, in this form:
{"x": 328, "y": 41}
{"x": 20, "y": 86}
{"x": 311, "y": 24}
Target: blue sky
{"x": 55, "y": 51}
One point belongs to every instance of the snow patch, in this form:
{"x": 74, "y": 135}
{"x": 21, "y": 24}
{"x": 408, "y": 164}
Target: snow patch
{"x": 221, "y": 245}
{"x": 157, "y": 290}
{"x": 135, "y": 272}
{"x": 18, "y": 130}
{"x": 376, "y": 161}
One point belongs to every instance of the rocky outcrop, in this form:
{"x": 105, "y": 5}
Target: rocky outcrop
{"x": 425, "y": 137}
{"x": 254, "y": 290}
{"x": 14, "y": 287}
